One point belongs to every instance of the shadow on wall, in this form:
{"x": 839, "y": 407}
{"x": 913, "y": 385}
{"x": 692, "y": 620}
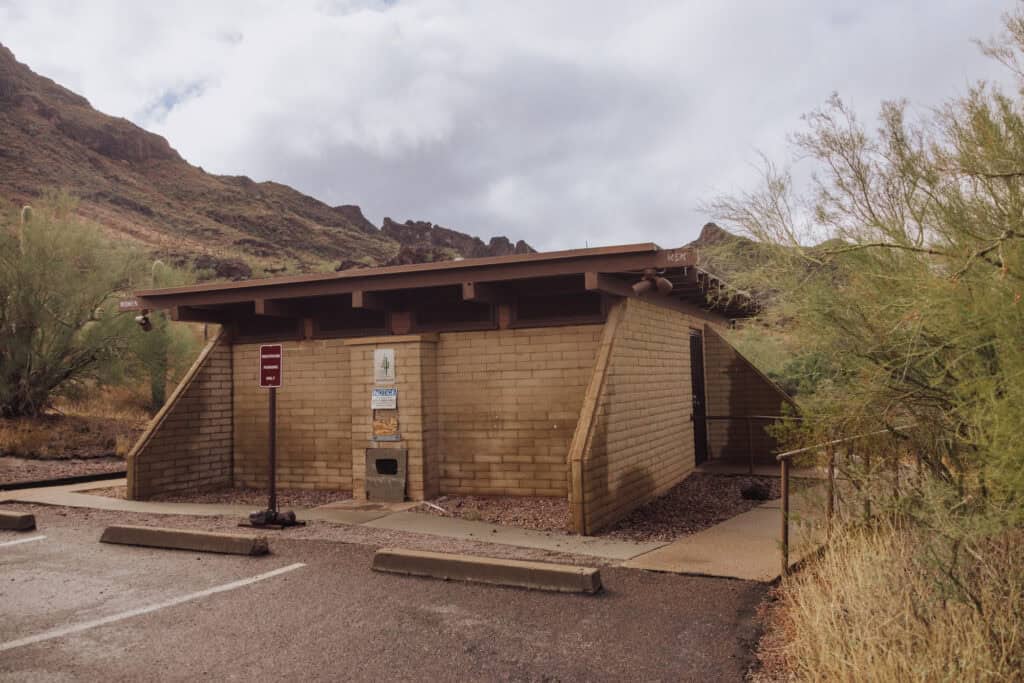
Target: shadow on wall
{"x": 747, "y": 393}
{"x": 614, "y": 493}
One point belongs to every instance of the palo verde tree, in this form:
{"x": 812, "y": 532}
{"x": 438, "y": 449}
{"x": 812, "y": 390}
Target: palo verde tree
{"x": 900, "y": 273}
{"x": 59, "y": 277}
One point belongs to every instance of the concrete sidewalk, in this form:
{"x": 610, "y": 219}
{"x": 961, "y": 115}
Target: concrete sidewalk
{"x": 73, "y": 495}
{"x": 508, "y": 535}
{"x": 371, "y": 515}
{"x": 748, "y": 546}
{"x": 744, "y": 547}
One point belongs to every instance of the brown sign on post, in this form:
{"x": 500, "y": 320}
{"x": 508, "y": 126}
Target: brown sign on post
{"x": 270, "y": 366}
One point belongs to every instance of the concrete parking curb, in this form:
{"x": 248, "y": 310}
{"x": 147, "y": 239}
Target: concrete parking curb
{"x": 17, "y": 521}
{"x": 181, "y": 539}
{"x": 536, "y": 575}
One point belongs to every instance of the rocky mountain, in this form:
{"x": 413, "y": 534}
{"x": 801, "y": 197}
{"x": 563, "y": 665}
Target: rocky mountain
{"x": 139, "y": 188}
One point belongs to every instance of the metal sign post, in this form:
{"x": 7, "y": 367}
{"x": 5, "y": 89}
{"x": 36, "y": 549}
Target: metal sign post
{"x": 271, "y": 374}
{"x": 272, "y": 473}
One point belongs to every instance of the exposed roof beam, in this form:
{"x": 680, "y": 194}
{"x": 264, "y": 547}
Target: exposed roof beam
{"x": 276, "y": 309}
{"x": 369, "y": 300}
{"x": 481, "y": 292}
{"x": 600, "y": 282}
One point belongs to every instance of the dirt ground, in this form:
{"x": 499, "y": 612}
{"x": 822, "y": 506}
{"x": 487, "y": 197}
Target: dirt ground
{"x": 527, "y": 512}
{"x": 769, "y": 660}
{"x": 69, "y": 437}
{"x": 72, "y": 439}
{"x": 698, "y": 502}
{"x": 14, "y": 470}
{"x": 286, "y": 498}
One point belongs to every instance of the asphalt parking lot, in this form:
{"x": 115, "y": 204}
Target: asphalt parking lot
{"x": 75, "y": 609}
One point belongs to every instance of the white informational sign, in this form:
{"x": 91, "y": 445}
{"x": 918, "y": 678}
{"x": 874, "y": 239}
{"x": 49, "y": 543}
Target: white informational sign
{"x": 384, "y": 399}
{"x": 384, "y": 366}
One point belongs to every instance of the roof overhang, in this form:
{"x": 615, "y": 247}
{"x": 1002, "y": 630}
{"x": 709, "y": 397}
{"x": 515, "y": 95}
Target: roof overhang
{"x": 611, "y": 270}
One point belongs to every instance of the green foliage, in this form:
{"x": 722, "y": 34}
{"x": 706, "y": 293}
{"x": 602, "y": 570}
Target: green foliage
{"x": 898, "y": 283}
{"x": 164, "y": 352}
{"x": 58, "y": 320}
{"x": 800, "y": 373}
{"x": 904, "y": 268}
{"x": 60, "y": 329}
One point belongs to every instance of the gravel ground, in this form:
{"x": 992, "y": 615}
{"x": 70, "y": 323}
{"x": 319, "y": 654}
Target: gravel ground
{"x": 286, "y": 498}
{"x": 540, "y": 514}
{"x": 700, "y": 501}
{"x": 13, "y": 470}
{"x": 769, "y": 654}
{"x": 316, "y": 530}
{"x": 696, "y": 503}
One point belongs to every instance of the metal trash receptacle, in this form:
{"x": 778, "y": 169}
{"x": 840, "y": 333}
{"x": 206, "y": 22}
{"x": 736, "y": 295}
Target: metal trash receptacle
{"x": 386, "y": 474}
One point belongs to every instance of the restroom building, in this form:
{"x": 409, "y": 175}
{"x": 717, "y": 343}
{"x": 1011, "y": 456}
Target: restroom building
{"x": 600, "y": 375}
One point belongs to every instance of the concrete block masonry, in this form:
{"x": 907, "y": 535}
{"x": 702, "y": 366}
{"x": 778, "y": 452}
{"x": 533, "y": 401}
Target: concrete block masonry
{"x": 535, "y": 575}
{"x": 180, "y": 539}
{"x": 17, "y": 521}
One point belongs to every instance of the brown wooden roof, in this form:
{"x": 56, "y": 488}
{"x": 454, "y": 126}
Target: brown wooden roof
{"x": 612, "y": 270}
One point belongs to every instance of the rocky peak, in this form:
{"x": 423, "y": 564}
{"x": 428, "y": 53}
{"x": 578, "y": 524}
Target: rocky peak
{"x": 138, "y": 187}
{"x": 354, "y": 216}
{"x": 421, "y": 238}
{"x": 712, "y": 234}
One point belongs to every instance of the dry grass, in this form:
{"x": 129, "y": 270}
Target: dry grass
{"x": 880, "y": 605}
{"x": 106, "y": 425}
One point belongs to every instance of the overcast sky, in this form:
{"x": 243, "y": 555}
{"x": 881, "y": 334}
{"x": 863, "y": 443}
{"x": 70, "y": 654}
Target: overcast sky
{"x": 555, "y": 121}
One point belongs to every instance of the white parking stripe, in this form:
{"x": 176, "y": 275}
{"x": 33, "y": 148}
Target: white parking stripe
{"x": 22, "y": 540}
{"x": 77, "y": 628}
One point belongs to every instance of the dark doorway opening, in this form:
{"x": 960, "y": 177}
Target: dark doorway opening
{"x": 699, "y": 415}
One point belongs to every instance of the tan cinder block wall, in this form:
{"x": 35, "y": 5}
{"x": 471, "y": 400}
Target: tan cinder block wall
{"x": 415, "y": 378}
{"x": 736, "y": 388}
{"x": 508, "y": 402}
{"x": 187, "y": 446}
{"x": 314, "y": 423}
{"x": 640, "y": 443}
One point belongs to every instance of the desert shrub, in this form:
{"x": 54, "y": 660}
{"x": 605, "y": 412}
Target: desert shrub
{"x": 61, "y": 334}
{"x": 59, "y": 278}
{"x": 898, "y": 279}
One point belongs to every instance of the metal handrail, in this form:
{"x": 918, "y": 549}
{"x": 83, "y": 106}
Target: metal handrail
{"x": 753, "y": 417}
{"x": 888, "y": 430}
{"x": 784, "y": 460}
{"x": 750, "y": 431}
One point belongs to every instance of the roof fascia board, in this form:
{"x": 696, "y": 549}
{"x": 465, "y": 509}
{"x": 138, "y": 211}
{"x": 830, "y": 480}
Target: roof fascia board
{"x": 385, "y": 279}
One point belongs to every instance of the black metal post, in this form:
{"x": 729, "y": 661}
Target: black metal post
{"x": 272, "y": 473}
{"x": 750, "y": 446}
{"x": 784, "y": 464}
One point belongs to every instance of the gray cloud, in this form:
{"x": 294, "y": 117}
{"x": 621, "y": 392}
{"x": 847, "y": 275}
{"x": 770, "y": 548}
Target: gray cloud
{"x": 561, "y": 123}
